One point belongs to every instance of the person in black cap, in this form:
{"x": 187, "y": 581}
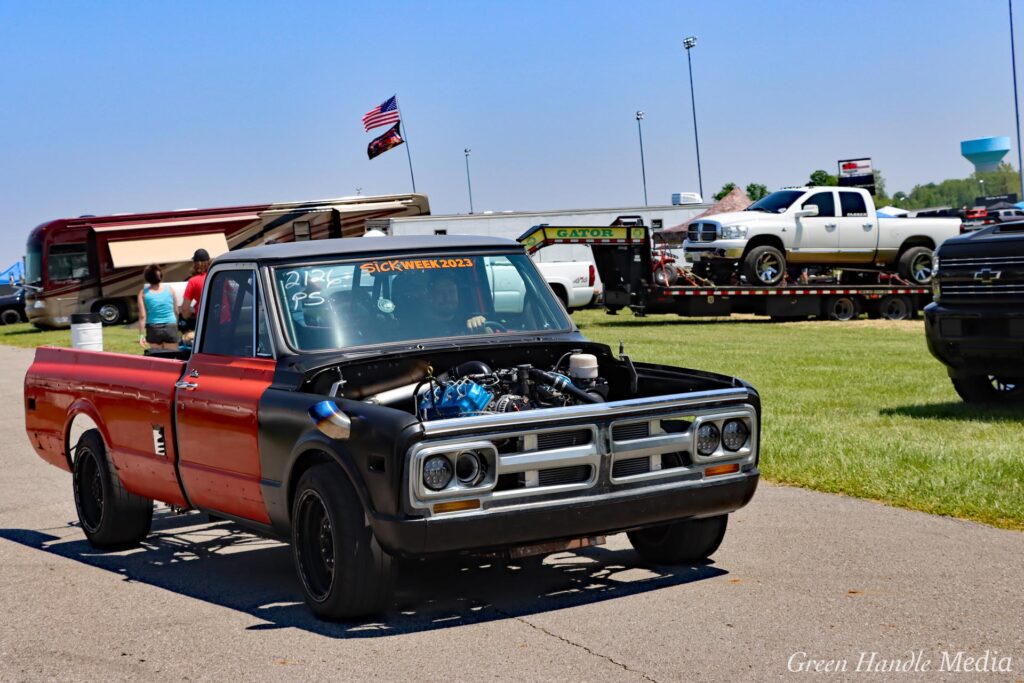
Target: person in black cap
{"x": 194, "y": 289}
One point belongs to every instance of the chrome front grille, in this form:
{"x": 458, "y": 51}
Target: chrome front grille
{"x": 702, "y": 232}
{"x": 984, "y": 262}
{"x": 964, "y": 289}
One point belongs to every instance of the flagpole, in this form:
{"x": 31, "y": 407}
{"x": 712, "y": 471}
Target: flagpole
{"x": 405, "y": 137}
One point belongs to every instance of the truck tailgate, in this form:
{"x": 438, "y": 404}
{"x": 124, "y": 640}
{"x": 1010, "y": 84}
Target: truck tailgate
{"x": 131, "y": 400}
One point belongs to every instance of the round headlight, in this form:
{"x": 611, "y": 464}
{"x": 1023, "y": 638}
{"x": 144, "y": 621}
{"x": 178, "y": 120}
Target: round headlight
{"x": 437, "y": 472}
{"x": 470, "y": 468}
{"x": 734, "y": 434}
{"x": 707, "y": 438}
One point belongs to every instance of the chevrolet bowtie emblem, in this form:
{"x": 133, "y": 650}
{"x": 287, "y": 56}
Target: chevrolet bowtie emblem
{"x": 986, "y": 276}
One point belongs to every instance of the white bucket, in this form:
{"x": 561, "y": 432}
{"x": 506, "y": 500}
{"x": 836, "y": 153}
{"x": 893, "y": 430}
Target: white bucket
{"x": 86, "y": 332}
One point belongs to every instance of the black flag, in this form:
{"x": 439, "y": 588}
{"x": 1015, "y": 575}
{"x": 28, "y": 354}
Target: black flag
{"x": 392, "y": 138}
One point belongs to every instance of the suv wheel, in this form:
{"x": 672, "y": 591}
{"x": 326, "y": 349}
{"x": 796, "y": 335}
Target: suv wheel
{"x": 989, "y": 389}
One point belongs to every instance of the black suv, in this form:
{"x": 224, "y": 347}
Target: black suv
{"x": 976, "y": 324}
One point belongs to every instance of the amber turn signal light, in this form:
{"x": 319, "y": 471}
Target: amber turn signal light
{"x": 456, "y": 506}
{"x": 718, "y": 470}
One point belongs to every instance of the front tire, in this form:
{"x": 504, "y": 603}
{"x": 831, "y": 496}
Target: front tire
{"x": 110, "y": 515}
{"x": 764, "y": 266}
{"x": 989, "y": 389}
{"x": 683, "y": 542}
{"x": 343, "y": 570}
{"x": 112, "y": 312}
{"x": 10, "y": 317}
{"x": 915, "y": 265}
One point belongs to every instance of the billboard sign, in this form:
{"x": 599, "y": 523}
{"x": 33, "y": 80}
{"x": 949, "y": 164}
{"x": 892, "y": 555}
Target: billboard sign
{"x": 857, "y": 173}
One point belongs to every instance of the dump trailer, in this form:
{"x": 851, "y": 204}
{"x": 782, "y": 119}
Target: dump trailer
{"x": 623, "y": 257}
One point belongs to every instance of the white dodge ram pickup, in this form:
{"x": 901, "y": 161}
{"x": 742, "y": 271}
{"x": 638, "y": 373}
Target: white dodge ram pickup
{"x": 573, "y": 282}
{"x": 821, "y": 226}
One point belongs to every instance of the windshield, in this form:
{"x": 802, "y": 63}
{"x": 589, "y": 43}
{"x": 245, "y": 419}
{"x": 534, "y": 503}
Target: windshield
{"x": 33, "y": 264}
{"x": 776, "y": 202}
{"x": 374, "y": 301}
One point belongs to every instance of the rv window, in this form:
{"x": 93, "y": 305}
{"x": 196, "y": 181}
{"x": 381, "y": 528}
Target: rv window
{"x": 68, "y": 262}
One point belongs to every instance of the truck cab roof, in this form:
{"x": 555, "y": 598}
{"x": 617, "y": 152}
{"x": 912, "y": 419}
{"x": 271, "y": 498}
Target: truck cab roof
{"x": 361, "y": 246}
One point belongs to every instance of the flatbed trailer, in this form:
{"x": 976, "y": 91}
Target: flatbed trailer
{"x": 624, "y": 261}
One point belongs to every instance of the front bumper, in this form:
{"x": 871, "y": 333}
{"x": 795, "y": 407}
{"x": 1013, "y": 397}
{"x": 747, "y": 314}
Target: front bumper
{"x": 974, "y": 340}
{"x": 565, "y": 518}
{"x": 731, "y": 250}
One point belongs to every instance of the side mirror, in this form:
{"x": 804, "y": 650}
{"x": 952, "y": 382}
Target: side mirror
{"x": 807, "y": 211}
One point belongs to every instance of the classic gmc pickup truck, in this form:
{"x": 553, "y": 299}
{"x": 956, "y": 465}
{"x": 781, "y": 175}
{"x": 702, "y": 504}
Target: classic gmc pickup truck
{"x": 379, "y": 397}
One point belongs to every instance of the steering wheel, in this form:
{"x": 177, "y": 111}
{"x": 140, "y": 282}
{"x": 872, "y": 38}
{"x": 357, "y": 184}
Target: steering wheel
{"x": 495, "y": 326}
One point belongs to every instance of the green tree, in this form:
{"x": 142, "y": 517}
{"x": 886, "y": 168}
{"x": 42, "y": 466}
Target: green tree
{"x": 823, "y": 179}
{"x": 756, "y": 191}
{"x": 726, "y": 189}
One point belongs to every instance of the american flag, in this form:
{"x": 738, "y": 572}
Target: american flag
{"x": 382, "y": 115}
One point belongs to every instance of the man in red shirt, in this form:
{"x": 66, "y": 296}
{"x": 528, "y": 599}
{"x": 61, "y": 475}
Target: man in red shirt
{"x": 194, "y": 288}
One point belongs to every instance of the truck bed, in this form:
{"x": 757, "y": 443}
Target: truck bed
{"x": 130, "y": 399}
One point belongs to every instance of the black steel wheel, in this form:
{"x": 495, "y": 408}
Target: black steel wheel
{"x": 764, "y": 266}
{"x": 110, "y": 515}
{"x": 682, "y": 542}
{"x": 10, "y": 317}
{"x": 343, "y": 570}
{"x": 990, "y": 389}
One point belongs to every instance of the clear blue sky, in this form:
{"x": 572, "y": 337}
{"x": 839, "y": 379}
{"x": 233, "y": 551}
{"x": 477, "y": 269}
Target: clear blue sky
{"x": 111, "y": 107}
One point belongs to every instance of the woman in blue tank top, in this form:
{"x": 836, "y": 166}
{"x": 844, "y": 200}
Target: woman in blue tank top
{"x": 158, "y": 312}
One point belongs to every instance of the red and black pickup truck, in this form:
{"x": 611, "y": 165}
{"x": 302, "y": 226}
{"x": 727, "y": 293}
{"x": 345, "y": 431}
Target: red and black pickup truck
{"x": 375, "y": 398}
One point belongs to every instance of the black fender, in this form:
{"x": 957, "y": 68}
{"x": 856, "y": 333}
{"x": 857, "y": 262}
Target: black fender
{"x": 373, "y": 457}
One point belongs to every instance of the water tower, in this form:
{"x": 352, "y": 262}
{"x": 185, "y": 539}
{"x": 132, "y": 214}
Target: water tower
{"x": 985, "y": 153}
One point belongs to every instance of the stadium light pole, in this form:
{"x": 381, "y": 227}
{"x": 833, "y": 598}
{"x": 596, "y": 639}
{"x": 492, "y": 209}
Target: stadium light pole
{"x": 643, "y": 167}
{"x": 1016, "y": 103}
{"x": 469, "y": 183}
{"x": 689, "y": 43}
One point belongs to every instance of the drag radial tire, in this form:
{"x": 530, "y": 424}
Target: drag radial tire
{"x": 343, "y": 570}
{"x": 990, "y": 389}
{"x": 683, "y": 542}
{"x": 764, "y": 266}
{"x": 110, "y": 516}
{"x": 916, "y": 265}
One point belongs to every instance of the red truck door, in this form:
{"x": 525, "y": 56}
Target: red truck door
{"x": 218, "y": 398}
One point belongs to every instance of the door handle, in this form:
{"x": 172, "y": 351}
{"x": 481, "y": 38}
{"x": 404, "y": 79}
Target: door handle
{"x": 186, "y": 385}
{"x": 868, "y": 226}
{"x": 830, "y": 226}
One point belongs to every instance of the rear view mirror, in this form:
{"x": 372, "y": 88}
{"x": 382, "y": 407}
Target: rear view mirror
{"x": 807, "y": 211}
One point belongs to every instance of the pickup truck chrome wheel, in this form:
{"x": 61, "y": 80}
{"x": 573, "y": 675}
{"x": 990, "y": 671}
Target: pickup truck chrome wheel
{"x": 990, "y": 389}
{"x": 110, "y": 516}
{"x": 915, "y": 264}
{"x": 764, "y": 266}
{"x": 343, "y": 570}
{"x": 682, "y": 542}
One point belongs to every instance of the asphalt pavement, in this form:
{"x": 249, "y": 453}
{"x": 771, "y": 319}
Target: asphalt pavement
{"x": 803, "y": 580}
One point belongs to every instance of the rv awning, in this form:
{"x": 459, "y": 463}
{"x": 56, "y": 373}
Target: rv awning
{"x": 127, "y": 253}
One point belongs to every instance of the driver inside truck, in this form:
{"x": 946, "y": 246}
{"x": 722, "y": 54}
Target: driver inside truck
{"x": 436, "y": 303}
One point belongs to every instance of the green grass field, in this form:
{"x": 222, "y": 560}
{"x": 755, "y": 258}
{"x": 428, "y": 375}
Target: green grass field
{"x": 859, "y": 408}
